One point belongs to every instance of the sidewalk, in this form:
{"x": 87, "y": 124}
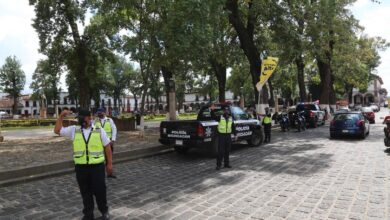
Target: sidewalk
{"x": 23, "y": 159}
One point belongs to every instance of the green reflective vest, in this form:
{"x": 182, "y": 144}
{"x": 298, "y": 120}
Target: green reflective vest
{"x": 267, "y": 120}
{"x": 225, "y": 127}
{"x": 106, "y": 126}
{"x": 88, "y": 151}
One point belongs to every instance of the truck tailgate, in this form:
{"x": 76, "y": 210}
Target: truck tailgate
{"x": 179, "y": 129}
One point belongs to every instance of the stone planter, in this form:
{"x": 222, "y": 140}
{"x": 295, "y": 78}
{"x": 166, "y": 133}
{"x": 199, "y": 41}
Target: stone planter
{"x": 126, "y": 124}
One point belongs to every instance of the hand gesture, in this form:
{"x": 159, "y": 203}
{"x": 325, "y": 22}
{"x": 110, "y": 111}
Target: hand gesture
{"x": 65, "y": 112}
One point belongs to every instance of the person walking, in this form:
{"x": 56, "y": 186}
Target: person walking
{"x": 267, "y": 123}
{"x": 225, "y": 127}
{"x": 108, "y": 125}
{"x": 92, "y": 156}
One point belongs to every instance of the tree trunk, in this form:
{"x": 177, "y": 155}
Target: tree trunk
{"x": 220, "y": 73}
{"x": 15, "y": 105}
{"x": 245, "y": 35}
{"x": 143, "y": 96}
{"x": 325, "y": 76}
{"x": 135, "y": 102}
{"x": 332, "y": 94}
{"x": 167, "y": 75}
{"x": 301, "y": 78}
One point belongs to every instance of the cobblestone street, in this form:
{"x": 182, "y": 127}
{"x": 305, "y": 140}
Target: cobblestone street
{"x": 298, "y": 176}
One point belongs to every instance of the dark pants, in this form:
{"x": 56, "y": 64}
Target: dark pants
{"x": 91, "y": 180}
{"x": 224, "y": 146}
{"x": 267, "y": 132}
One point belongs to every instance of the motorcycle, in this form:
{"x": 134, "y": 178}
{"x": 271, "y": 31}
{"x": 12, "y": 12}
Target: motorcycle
{"x": 300, "y": 121}
{"x": 386, "y": 130}
{"x": 284, "y": 122}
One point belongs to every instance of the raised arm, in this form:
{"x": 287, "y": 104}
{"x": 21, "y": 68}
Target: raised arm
{"x": 58, "y": 126}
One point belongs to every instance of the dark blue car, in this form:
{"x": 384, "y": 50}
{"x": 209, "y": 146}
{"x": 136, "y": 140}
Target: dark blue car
{"x": 349, "y": 124}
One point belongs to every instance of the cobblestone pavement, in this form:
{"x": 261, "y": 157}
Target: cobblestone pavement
{"x": 298, "y": 176}
{"x": 19, "y": 153}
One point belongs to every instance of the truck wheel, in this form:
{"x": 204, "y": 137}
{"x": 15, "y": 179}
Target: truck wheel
{"x": 314, "y": 123}
{"x": 256, "y": 139}
{"x": 181, "y": 150}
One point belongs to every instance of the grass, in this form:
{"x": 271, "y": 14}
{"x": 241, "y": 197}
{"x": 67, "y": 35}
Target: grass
{"x": 187, "y": 117}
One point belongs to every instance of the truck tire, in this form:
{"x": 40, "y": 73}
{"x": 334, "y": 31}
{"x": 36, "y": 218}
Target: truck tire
{"x": 181, "y": 150}
{"x": 256, "y": 139}
{"x": 314, "y": 123}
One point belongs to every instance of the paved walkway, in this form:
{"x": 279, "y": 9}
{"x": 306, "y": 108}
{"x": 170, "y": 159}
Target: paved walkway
{"x": 299, "y": 176}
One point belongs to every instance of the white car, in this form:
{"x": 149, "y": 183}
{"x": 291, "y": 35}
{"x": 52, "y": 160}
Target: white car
{"x": 374, "y": 108}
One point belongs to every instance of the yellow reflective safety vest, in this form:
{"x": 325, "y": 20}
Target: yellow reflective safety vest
{"x": 267, "y": 120}
{"x": 106, "y": 126}
{"x": 225, "y": 127}
{"x": 90, "y": 150}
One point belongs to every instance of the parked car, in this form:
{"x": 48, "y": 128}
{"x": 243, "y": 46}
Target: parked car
{"x": 313, "y": 114}
{"x": 369, "y": 114}
{"x": 202, "y": 132}
{"x": 349, "y": 124}
{"x": 386, "y": 104}
{"x": 375, "y": 107}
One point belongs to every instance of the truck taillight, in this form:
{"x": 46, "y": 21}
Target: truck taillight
{"x": 200, "y": 131}
{"x": 333, "y": 122}
{"x": 312, "y": 114}
{"x": 163, "y": 130}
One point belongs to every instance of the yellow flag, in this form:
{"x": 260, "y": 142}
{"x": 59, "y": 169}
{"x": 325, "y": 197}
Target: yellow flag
{"x": 268, "y": 67}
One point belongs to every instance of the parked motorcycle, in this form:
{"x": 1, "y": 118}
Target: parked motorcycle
{"x": 284, "y": 122}
{"x": 300, "y": 120}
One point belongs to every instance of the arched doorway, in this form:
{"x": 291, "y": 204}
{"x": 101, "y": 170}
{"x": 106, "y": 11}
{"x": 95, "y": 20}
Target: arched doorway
{"x": 368, "y": 99}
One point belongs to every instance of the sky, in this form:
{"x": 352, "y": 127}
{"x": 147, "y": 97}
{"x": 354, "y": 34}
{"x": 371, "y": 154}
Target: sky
{"x": 17, "y": 36}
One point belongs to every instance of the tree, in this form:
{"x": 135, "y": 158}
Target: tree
{"x": 45, "y": 80}
{"x": 120, "y": 73}
{"x": 12, "y": 80}
{"x": 58, "y": 26}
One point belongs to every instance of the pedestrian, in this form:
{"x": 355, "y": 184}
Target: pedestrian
{"x": 92, "y": 156}
{"x": 267, "y": 123}
{"x": 108, "y": 125}
{"x": 225, "y": 128}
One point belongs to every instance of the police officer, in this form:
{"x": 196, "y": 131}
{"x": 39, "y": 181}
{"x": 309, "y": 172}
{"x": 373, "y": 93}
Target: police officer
{"x": 91, "y": 148}
{"x": 225, "y": 126}
{"x": 108, "y": 125}
{"x": 267, "y": 123}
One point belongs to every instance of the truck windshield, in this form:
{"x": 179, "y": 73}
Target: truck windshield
{"x": 239, "y": 114}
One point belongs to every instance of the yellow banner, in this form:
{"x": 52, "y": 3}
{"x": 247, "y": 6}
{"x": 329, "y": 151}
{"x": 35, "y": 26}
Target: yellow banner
{"x": 268, "y": 67}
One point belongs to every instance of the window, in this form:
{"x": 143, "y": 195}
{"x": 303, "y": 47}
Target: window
{"x": 72, "y": 101}
{"x": 65, "y": 101}
{"x": 27, "y": 104}
{"x": 35, "y": 112}
{"x": 34, "y": 103}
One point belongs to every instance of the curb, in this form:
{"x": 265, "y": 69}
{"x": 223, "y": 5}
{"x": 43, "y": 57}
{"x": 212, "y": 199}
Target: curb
{"x": 24, "y": 175}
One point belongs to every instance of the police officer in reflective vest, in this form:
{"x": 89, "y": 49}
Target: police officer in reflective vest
{"x": 267, "y": 123}
{"x": 109, "y": 127}
{"x": 225, "y": 127}
{"x": 92, "y": 157}
{"x": 107, "y": 124}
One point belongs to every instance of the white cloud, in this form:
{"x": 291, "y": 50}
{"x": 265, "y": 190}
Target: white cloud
{"x": 18, "y": 37}
{"x": 375, "y": 19}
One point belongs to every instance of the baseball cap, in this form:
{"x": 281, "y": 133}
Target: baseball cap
{"x": 100, "y": 110}
{"x": 84, "y": 112}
